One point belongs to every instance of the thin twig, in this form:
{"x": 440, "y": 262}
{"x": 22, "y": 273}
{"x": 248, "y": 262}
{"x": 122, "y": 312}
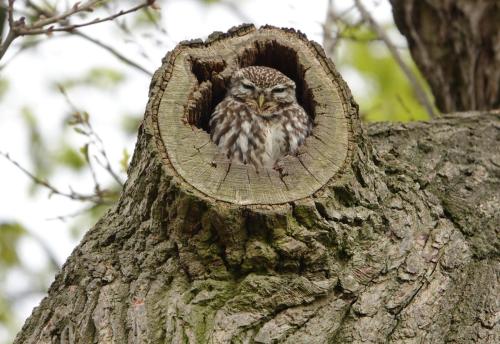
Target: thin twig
{"x": 235, "y": 8}
{"x": 113, "y": 51}
{"x": 48, "y": 250}
{"x": 41, "y": 11}
{"x": 24, "y": 46}
{"x": 153, "y": 20}
{"x": 77, "y": 213}
{"x": 6, "y": 43}
{"x": 97, "y": 199}
{"x": 86, "y": 7}
{"x": 22, "y": 295}
{"x": 97, "y": 186}
{"x": 331, "y": 25}
{"x": 11, "y": 36}
{"x": 38, "y": 9}
{"x": 419, "y": 91}
{"x": 19, "y": 27}
{"x": 94, "y": 139}
{"x": 329, "y": 40}
{"x": 106, "y": 164}
{"x": 3, "y": 17}
{"x": 10, "y": 12}
{"x": 27, "y": 31}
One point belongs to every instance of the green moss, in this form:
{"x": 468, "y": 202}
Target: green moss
{"x": 205, "y": 298}
{"x": 305, "y": 213}
{"x": 259, "y": 256}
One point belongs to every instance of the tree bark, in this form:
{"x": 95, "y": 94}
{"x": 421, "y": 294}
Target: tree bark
{"x": 400, "y": 245}
{"x": 455, "y": 43}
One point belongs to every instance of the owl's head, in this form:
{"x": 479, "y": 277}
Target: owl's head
{"x": 262, "y": 88}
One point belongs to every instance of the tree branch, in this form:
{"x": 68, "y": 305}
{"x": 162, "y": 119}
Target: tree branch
{"x": 34, "y": 30}
{"x": 20, "y": 28}
{"x": 419, "y": 91}
{"x": 76, "y": 8}
{"x": 113, "y": 51}
{"x": 329, "y": 41}
{"x": 10, "y": 35}
{"x": 86, "y": 129}
{"x": 97, "y": 199}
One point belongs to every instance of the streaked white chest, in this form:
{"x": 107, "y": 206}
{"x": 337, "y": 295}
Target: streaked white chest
{"x": 274, "y": 142}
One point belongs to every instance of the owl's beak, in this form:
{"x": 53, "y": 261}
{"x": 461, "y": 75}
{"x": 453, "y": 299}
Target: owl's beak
{"x": 261, "y": 100}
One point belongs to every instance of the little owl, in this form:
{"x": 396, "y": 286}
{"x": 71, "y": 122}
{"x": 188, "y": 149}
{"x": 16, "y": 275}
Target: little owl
{"x": 260, "y": 120}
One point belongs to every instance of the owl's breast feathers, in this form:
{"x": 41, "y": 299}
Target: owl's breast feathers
{"x": 247, "y": 137}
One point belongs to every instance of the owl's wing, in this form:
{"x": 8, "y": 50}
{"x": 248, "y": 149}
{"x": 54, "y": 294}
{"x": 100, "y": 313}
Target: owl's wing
{"x": 297, "y": 126}
{"x": 220, "y": 121}
{"x": 237, "y": 133}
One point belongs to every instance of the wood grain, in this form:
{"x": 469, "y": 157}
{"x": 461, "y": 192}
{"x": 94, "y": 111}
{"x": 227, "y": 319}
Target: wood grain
{"x": 194, "y": 78}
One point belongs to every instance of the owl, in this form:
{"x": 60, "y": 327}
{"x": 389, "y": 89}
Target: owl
{"x": 259, "y": 121}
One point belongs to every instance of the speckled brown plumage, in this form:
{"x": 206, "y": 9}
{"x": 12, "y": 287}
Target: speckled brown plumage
{"x": 260, "y": 120}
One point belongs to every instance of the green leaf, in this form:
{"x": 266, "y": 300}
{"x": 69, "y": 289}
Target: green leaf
{"x": 38, "y": 152}
{"x": 69, "y": 157}
{"x": 388, "y": 95}
{"x": 85, "y": 151}
{"x": 5, "y": 311}
{"x": 358, "y": 33}
{"x": 130, "y": 123}
{"x": 100, "y": 77}
{"x": 104, "y": 77}
{"x": 4, "y": 86}
{"x": 10, "y": 233}
{"x": 80, "y": 131}
{"x": 87, "y": 219}
{"x": 85, "y": 116}
{"x": 29, "y": 117}
{"x": 146, "y": 18}
{"x": 124, "y": 160}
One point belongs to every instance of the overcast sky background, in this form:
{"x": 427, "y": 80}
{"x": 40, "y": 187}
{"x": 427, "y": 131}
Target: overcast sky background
{"x": 32, "y": 74}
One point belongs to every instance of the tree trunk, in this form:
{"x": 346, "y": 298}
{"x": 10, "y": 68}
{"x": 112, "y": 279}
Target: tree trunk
{"x": 390, "y": 236}
{"x": 456, "y": 45}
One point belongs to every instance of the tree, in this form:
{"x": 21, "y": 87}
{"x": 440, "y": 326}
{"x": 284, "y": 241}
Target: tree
{"x": 394, "y": 240}
{"x": 455, "y": 44}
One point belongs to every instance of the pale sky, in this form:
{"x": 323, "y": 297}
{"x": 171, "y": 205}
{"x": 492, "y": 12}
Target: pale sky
{"x": 32, "y": 73}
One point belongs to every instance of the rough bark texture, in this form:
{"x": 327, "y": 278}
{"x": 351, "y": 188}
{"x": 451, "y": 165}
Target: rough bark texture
{"x": 401, "y": 247}
{"x": 456, "y": 45}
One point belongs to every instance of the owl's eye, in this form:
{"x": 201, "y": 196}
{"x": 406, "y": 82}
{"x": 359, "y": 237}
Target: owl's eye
{"x": 248, "y": 87}
{"x": 279, "y": 89}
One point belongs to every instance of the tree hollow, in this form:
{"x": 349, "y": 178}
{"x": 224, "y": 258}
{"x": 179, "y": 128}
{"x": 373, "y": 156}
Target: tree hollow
{"x": 194, "y": 78}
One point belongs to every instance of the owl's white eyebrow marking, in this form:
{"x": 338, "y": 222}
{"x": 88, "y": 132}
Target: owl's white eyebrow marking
{"x": 247, "y": 83}
{"x": 279, "y": 88}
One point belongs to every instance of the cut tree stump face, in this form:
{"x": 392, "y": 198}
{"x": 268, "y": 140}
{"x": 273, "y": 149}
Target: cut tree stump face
{"x": 193, "y": 80}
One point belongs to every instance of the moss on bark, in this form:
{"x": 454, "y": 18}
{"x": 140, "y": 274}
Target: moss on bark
{"x": 378, "y": 254}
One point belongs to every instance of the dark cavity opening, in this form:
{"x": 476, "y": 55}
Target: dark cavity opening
{"x": 213, "y": 79}
{"x": 211, "y": 90}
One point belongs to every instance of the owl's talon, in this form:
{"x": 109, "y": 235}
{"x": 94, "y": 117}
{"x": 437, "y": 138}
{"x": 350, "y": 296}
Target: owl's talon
{"x": 279, "y": 167}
